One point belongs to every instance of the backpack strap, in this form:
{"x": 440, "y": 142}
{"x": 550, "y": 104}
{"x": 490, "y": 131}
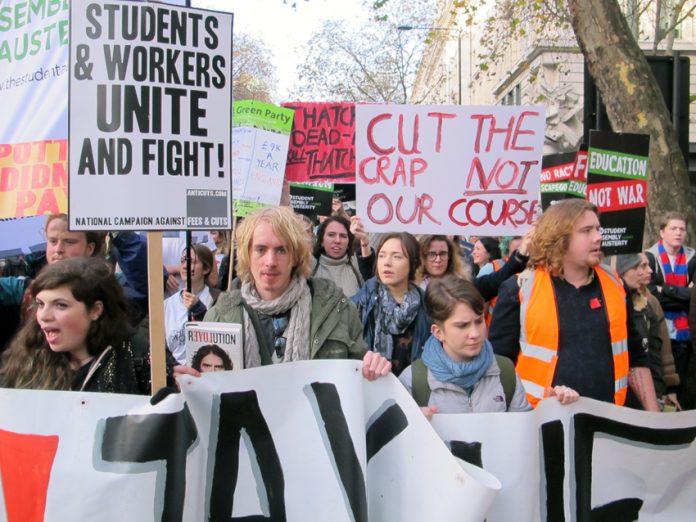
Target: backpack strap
{"x": 507, "y": 378}
{"x": 419, "y": 383}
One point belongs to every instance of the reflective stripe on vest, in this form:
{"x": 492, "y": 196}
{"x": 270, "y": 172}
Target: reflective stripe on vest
{"x": 539, "y": 333}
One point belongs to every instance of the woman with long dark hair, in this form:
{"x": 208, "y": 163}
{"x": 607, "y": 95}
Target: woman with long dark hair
{"x": 391, "y": 307}
{"x": 79, "y": 337}
{"x": 334, "y": 258}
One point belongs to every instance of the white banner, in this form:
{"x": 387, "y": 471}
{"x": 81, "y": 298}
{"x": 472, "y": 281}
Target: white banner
{"x": 310, "y": 441}
{"x": 448, "y": 169}
{"x": 150, "y": 117}
{"x": 314, "y": 441}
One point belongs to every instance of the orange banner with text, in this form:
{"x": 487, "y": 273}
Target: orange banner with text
{"x": 33, "y": 178}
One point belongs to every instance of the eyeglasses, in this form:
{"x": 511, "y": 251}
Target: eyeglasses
{"x": 442, "y": 255}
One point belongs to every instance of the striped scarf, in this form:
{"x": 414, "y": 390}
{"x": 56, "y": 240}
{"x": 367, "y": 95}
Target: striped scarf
{"x": 676, "y": 276}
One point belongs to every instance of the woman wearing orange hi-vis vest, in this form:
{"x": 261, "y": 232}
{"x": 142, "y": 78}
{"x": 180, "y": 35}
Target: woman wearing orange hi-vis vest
{"x": 566, "y": 320}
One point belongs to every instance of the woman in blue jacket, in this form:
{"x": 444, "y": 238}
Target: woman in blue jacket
{"x": 395, "y": 323}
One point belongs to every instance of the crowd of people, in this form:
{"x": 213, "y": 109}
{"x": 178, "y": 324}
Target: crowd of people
{"x": 475, "y": 324}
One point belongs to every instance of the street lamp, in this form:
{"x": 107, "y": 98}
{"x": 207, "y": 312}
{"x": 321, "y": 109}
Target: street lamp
{"x": 459, "y": 50}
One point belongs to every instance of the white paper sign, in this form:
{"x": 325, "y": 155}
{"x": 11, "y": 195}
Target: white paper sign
{"x": 150, "y": 117}
{"x": 448, "y": 169}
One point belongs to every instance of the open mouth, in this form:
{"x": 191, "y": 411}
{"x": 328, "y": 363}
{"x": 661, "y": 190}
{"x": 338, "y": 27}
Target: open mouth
{"x": 51, "y": 335}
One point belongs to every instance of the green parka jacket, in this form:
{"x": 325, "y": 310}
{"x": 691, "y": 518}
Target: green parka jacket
{"x": 335, "y": 329}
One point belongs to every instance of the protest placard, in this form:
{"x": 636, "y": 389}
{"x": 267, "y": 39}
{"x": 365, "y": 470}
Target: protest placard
{"x": 577, "y": 183}
{"x": 556, "y": 170}
{"x": 150, "y": 117}
{"x": 34, "y": 88}
{"x": 344, "y": 191}
{"x": 617, "y": 182}
{"x": 311, "y": 199}
{"x": 259, "y": 151}
{"x": 33, "y": 179}
{"x": 322, "y": 143}
{"x": 448, "y": 170}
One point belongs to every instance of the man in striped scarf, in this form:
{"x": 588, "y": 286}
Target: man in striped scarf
{"x": 673, "y": 266}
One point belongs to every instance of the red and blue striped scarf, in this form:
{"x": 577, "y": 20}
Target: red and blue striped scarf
{"x": 677, "y": 276}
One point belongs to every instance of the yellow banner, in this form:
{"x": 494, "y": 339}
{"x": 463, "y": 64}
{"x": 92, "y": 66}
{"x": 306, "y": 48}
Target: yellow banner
{"x": 33, "y": 178}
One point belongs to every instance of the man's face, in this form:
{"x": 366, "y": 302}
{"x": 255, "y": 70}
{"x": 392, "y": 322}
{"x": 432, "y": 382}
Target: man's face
{"x": 584, "y": 247}
{"x": 271, "y": 262}
{"x": 62, "y": 244}
{"x": 674, "y": 233}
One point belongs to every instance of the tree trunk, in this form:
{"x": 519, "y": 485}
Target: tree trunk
{"x": 635, "y": 104}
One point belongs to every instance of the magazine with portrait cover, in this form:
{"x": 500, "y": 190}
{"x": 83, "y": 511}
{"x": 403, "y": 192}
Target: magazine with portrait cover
{"x": 214, "y": 346}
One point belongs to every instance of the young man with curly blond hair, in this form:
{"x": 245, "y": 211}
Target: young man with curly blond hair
{"x": 566, "y": 321}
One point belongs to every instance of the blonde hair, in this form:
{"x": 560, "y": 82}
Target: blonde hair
{"x": 552, "y": 235}
{"x": 286, "y": 225}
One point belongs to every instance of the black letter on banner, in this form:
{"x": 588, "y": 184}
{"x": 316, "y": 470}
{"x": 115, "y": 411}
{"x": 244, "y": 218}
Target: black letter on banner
{"x": 554, "y": 469}
{"x": 384, "y": 428}
{"x": 346, "y": 461}
{"x": 586, "y": 426}
{"x": 148, "y": 438}
{"x": 467, "y": 451}
{"x": 240, "y": 410}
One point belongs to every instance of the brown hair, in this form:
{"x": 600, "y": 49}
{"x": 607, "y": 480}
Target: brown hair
{"x": 445, "y": 293}
{"x": 669, "y": 216}
{"x": 205, "y": 255}
{"x": 410, "y": 248}
{"x": 98, "y": 239}
{"x": 455, "y": 262}
{"x": 30, "y": 362}
{"x": 208, "y": 349}
{"x": 286, "y": 226}
{"x": 552, "y": 235}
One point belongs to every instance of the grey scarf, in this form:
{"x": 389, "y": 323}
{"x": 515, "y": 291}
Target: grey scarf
{"x": 393, "y": 318}
{"x": 298, "y": 299}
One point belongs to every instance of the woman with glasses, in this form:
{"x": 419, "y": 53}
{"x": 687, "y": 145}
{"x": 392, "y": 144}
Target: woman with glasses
{"x": 185, "y": 306}
{"x": 440, "y": 257}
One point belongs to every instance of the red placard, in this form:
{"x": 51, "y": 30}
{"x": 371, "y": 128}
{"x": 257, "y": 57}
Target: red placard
{"x": 322, "y": 143}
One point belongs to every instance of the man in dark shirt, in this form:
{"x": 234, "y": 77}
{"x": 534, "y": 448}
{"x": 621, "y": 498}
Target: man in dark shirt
{"x": 567, "y": 320}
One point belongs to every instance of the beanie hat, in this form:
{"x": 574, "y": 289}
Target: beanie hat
{"x": 625, "y": 262}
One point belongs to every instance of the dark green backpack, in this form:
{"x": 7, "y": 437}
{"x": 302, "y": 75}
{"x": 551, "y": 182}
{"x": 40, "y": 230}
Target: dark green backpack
{"x": 421, "y": 391}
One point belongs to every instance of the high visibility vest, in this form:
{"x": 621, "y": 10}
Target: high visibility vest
{"x": 488, "y": 308}
{"x": 536, "y": 363}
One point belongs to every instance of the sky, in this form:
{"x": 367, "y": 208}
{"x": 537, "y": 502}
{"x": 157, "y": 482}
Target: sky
{"x": 282, "y": 29}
